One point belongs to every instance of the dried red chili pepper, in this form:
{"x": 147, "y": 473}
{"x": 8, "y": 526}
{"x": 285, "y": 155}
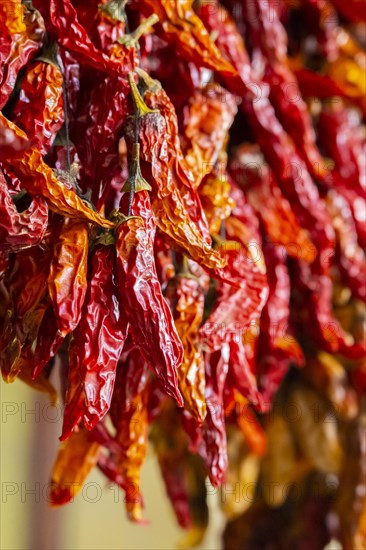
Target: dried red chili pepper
{"x": 95, "y": 347}
{"x": 207, "y": 118}
{"x": 180, "y": 25}
{"x": 62, "y": 21}
{"x": 39, "y": 110}
{"x": 271, "y": 206}
{"x": 289, "y": 169}
{"x": 38, "y": 179}
{"x": 143, "y": 302}
{"x": 129, "y": 415}
{"x": 20, "y": 331}
{"x": 22, "y": 229}
{"x": 156, "y": 98}
{"x": 67, "y": 280}
{"x": 167, "y": 204}
{"x": 350, "y": 257}
{"x": 213, "y": 449}
{"x": 277, "y": 347}
{"x": 75, "y": 459}
{"x": 23, "y": 36}
{"x": 188, "y": 314}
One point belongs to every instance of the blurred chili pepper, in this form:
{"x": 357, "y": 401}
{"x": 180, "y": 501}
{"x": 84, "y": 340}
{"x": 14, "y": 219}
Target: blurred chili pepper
{"x": 95, "y": 347}
{"x": 188, "y": 316}
{"x": 24, "y": 228}
{"x": 143, "y": 302}
{"x": 350, "y": 257}
{"x": 347, "y": 153}
{"x": 130, "y": 418}
{"x": 290, "y": 171}
{"x": 206, "y": 119}
{"x": 75, "y": 459}
{"x": 23, "y": 35}
{"x": 213, "y": 449}
{"x": 39, "y": 110}
{"x": 271, "y": 206}
{"x": 25, "y": 283}
{"x": 67, "y": 280}
{"x": 39, "y": 179}
{"x": 277, "y": 347}
{"x": 353, "y": 10}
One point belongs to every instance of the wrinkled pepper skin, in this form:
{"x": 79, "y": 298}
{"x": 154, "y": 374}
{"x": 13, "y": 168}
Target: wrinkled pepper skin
{"x": 141, "y": 295}
{"x": 39, "y": 179}
{"x": 95, "y": 348}
{"x": 39, "y": 111}
{"x": 67, "y": 280}
{"x": 19, "y": 230}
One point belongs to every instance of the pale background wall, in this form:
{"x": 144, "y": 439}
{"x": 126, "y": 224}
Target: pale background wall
{"x": 93, "y": 521}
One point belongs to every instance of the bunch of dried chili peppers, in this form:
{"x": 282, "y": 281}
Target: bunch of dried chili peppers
{"x": 183, "y": 199}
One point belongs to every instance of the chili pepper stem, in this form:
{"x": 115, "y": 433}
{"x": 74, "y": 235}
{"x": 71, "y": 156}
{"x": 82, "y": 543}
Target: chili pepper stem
{"x": 115, "y": 9}
{"x": 131, "y": 40}
{"x": 140, "y": 106}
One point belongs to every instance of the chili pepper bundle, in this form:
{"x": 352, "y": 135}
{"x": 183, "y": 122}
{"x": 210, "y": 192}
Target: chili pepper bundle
{"x": 182, "y": 199}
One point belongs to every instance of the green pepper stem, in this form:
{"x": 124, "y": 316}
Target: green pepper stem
{"x": 141, "y": 109}
{"x": 131, "y": 40}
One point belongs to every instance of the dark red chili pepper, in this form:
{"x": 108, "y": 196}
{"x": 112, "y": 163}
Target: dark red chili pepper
{"x": 95, "y": 347}
{"x": 277, "y": 347}
{"x": 62, "y": 21}
{"x": 145, "y": 307}
{"x": 22, "y": 229}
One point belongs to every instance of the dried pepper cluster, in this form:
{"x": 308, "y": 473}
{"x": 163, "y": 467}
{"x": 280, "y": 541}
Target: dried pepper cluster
{"x": 181, "y": 244}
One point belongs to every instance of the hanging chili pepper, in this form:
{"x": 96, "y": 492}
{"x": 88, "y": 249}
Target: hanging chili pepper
{"x": 290, "y": 171}
{"x": 67, "y": 280}
{"x": 129, "y": 417}
{"x": 19, "y": 230}
{"x": 75, "y": 459}
{"x": 39, "y": 110}
{"x": 188, "y": 314}
{"x": 207, "y": 118}
{"x": 39, "y": 179}
{"x": 23, "y": 36}
{"x": 213, "y": 449}
{"x": 271, "y": 206}
{"x": 62, "y": 21}
{"x": 179, "y": 25}
{"x": 95, "y": 347}
{"x": 157, "y": 99}
{"x": 277, "y": 347}
{"x": 143, "y": 302}
{"x": 350, "y": 257}
{"x": 167, "y": 204}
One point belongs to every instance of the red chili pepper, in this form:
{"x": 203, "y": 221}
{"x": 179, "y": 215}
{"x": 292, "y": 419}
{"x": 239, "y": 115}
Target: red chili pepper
{"x": 23, "y": 36}
{"x": 20, "y": 229}
{"x": 67, "y": 280}
{"x": 95, "y": 347}
{"x": 213, "y": 448}
{"x": 143, "y": 302}
{"x": 62, "y": 21}
{"x": 39, "y": 110}
{"x": 277, "y": 347}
